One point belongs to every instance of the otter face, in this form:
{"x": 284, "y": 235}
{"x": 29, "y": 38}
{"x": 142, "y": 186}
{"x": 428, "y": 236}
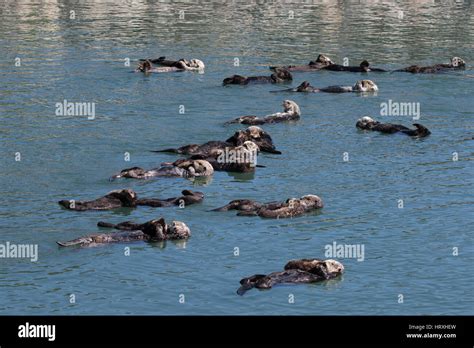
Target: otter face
{"x": 312, "y": 201}
{"x": 365, "y": 86}
{"x": 254, "y": 132}
{"x": 178, "y": 230}
{"x": 334, "y": 266}
{"x": 291, "y": 107}
{"x": 458, "y": 62}
{"x": 283, "y": 74}
{"x": 196, "y": 63}
{"x": 250, "y": 146}
{"x": 126, "y": 196}
{"x": 324, "y": 60}
{"x": 200, "y": 168}
{"x": 365, "y": 122}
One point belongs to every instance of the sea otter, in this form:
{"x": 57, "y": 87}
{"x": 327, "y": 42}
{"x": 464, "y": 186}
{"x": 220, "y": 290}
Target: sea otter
{"x": 291, "y": 112}
{"x": 296, "y": 271}
{"x": 128, "y": 198}
{"x": 280, "y": 75}
{"x": 290, "y": 208}
{"x": 191, "y": 168}
{"x": 171, "y": 66}
{"x": 456, "y": 64}
{"x": 367, "y": 123}
{"x": 360, "y": 86}
{"x": 321, "y": 62}
{"x": 238, "y": 159}
{"x": 253, "y": 133}
{"x": 363, "y": 67}
{"x": 151, "y": 231}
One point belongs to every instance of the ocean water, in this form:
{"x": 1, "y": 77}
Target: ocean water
{"x": 423, "y": 251}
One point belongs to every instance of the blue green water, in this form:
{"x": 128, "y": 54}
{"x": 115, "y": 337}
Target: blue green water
{"x": 408, "y": 251}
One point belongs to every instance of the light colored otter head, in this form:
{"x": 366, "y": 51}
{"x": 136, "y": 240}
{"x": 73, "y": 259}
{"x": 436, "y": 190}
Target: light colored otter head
{"x": 312, "y": 201}
{"x": 196, "y": 63}
{"x": 197, "y": 168}
{"x": 324, "y": 60}
{"x": 178, "y": 230}
{"x": 254, "y": 132}
{"x": 334, "y": 266}
{"x": 458, "y": 62}
{"x": 291, "y": 107}
{"x": 365, "y": 122}
{"x": 365, "y": 86}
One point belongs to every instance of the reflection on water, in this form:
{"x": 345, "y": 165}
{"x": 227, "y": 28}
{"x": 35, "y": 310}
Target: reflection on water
{"x": 50, "y": 54}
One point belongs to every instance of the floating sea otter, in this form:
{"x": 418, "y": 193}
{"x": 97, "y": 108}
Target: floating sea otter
{"x": 296, "y": 271}
{"x": 191, "y": 168}
{"x": 171, "y": 66}
{"x": 238, "y": 159}
{"x": 360, "y": 86}
{"x": 151, "y": 231}
{"x": 254, "y": 134}
{"x": 363, "y": 67}
{"x": 291, "y": 112}
{"x": 367, "y": 123}
{"x": 280, "y": 75}
{"x": 456, "y": 64}
{"x": 290, "y": 208}
{"x": 128, "y": 198}
{"x": 321, "y": 62}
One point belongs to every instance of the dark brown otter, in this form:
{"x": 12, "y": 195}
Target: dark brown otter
{"x": 275, "y": 210}
{"x": 363, "y": 67}
{"x": 280, "y": 75}
{"x": 456, "y": 64}
{"x": 254, "y": 134}
{"x": 150, "y": 231}
{"x": 367, "y": 123}
{"x": 296, "y": 271}
{"x": 128, "y": 199}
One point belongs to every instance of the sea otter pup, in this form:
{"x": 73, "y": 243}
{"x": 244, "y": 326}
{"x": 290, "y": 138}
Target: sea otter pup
{"x": 128, "y": 198}
{"x": 280, "y": 75}
{"x": 363, "y": 67}
{"x": 456, "y": 64}
{"x": 171, "y": 66}
{"x": 291, "y": 112}
{"x": 360, "y": 86}
{"x": 191, "y": 168}
{"x": 368, "y": 123}
{"x": 253, "y": 133}
{"x": 321, "y": 62}
{"x": 151, "y": 231}
{"x": 296, "y": 271}
{"x": 275, "y": 210}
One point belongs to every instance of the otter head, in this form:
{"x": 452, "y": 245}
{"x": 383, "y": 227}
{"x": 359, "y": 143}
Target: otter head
{"x": 291, "y": 107}
{"x": 324, "y": 60}
{"x": 178, "y": 230}
{"x": 364, "y": 64}
{"x": 366, "y": 122}
{"x": 198, "y": 168}
{"x": 282, "y": 74}
{"x": 127, "y": 197}
{"x": 422, "y": 130}
{"x": 458, "y": 62}
{"x": 334, "y": 266}
{"x": 312, "y": 201}
{"x": 250, "y": 146}
{"x": 365, "y": 86}
{"x": 235, "y": 80}
{"x": 261, "y": 138}
{"x": 145, "y": 66}
{"x": 197, "y": 64}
